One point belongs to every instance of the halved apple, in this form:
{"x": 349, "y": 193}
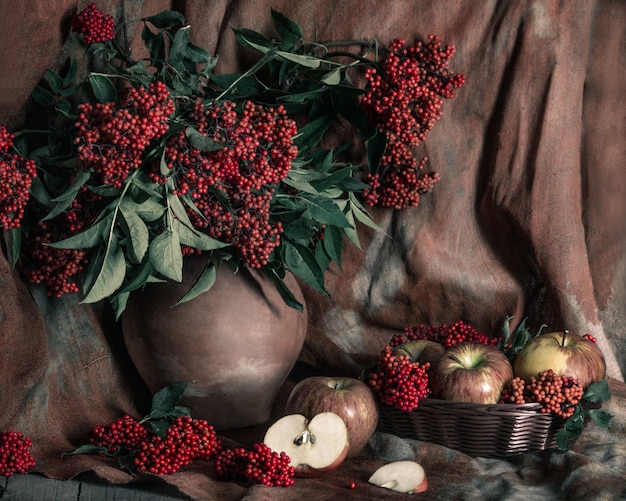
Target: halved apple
{"x": 401, "y": 476}
{"x": 314, "y": 446}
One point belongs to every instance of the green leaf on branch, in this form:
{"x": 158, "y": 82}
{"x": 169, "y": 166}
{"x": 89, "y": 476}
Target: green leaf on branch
{"x": 166, "y": 255}
{"x": 103, "y": 88}
{"x": 205, "y": 281}
{"x": 166, "y": 400}
{"x": 138, "y": 233}
{"x": 598, "y": 392}
{"x": 301, "y": 261}
{"x": 202, "y": 142}
{"x": 166, "y": 19}
{"x": 288, "y": 29}
{"x": 107, "y": 272}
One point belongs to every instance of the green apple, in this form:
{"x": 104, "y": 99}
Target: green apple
{"x": 565, "y": 353}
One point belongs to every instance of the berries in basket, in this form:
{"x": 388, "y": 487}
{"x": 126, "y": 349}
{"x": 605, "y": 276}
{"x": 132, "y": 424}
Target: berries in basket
{"x": 492, "y": 397}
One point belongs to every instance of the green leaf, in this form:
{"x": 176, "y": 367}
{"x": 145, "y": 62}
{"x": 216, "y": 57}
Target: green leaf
{"x": 55, "y": 81}
{"x": 179, "y": 45}
{"x": 324, "y": 210}
{"x": 246, "y": 86}
{"x": 286, "y": 293}
{"x": 138, "y": 233}
{"x": 166, "y": 399}
{"x": 15, "y": 244}
{"x": 252, "y": 39}
{"x": 598, "y": 392}
{"x": 103, "y": 88}
{"x": 196, "y": 239}
{"x": 68, "y": 196}
{"x": 333, "y": 243}
{"x": 42, "y": 96}
{"x": 301, "y": 261}
{"x": 301, "y": 59}
{"x": 71, "y": 72}
{"x": 288, "y": 30}
{"x": 110, "y": 275}
{"x": 166, "y": 19}
{"x": 311, "y": 134}
{"x": 87, "y": 449}
{"x": 375, "y": 150}
{"x": 166, "y": 256}
{"x": 154, "y": 43}
{"x": 204, "y": 283}
{"x": 87, "y": 239}
{"x": 333, "y": 77}
{"x": 202, "y": 142}
{"x": 600, "y": 418}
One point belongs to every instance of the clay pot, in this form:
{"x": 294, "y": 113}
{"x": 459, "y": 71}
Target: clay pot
{"x": 237, "y": 342}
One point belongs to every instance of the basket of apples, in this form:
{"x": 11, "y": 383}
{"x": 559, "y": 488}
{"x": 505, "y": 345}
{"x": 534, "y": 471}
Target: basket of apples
{"x": 490, "y": 397}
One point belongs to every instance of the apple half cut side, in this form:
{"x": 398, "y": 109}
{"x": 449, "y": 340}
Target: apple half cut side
{"x": 314, "y": 446}
{"x": 401, "y": 476}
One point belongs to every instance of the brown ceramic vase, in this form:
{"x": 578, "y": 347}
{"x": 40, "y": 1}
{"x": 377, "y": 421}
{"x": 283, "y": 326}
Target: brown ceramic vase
{"x": 236, "y": 342}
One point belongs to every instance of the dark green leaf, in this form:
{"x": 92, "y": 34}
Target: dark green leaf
{"x": 311, "y": 134}
{"x": 65, "y": 200}
{"x": 196, "y": 239}
{"x": 252, "y": 39}
{"x": 87, "y": 449}
{"x": 600, "y": 418}
{"x": 333, "y": 243}
{"x": 166, "y": 19}
{"x": 243, "y": 87}
{"x": 286, "y": 293}
{"x": 288, "y": 30}
{"x": 109, "y": 274}
{"x": 179, "y": 45}
{"x": 154, "y": 43}
{"x": 55, "y": 81}
{"x": 333, "y": 77}
{"x": 15, "y": 244}
{"x": 202, "y": 142}
{"x": 71, "y": 72}
{"x": 204, "y": 283}
{"x": 166, "y": 399}
{"x": 301, "y": 261}
{"x": 166, "y": 256}
{"x": 43, "y": 96}
{"x": 91, "y": 237}
{"x": 598, "y": 392}
{"x": 138, "y": 233}
{"x": 301, "y": 59}
{"x": 376, "y": 147}
{"x": 103, "y": 88}
{"x": 325, "y": 211}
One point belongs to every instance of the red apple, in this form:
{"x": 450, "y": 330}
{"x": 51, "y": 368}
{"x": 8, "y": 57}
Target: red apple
{"x": 421, "y": 350}
{"x": 348, "y": 397}
{"x": 566, "y": 354}
{"x": 314, "y": 447}
{"x": 401, "y": 476}
{"x": 470, "y": 372}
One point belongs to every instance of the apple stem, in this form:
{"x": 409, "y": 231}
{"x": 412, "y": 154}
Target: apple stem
{"x": 565, "y": 333}
{"x": 304, "y": 437}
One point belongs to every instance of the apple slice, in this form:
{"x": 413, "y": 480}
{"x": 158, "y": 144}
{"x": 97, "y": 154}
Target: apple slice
{"x": 401, "y": 476}
{"x": 314, "y": 446}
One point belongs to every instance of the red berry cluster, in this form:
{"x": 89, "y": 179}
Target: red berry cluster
{"x": 16, "y": 178}
{"x": 15, "y": 456}
{"x": 185, "y": 441}
{"x": 112, "y": 137}
{"x": 403, "y": 100}
{"x": 55, "y": 268}
{"x": 260, "y": 465}
{"x": 126, "y": 432}
{"x": 93, "y": 25}
{"x": 258, "y": 155}
{"x": 590, "y": 338}
{"x": 448, "y": 335}
{"x": 398, "y": 381}
{"x": 556, "y": 394}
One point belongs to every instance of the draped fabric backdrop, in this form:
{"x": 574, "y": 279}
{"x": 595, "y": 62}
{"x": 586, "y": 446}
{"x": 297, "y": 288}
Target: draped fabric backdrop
{"x": 527, "y": 221}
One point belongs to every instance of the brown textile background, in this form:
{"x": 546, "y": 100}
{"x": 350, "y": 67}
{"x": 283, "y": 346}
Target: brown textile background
{"x": 528, "y": 220}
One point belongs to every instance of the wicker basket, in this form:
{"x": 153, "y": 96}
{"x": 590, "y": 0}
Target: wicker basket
{"x": 496, "y": 431}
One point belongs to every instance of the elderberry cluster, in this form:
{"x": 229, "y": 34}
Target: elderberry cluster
{"x": 403, "y": 100}
{"x": 260, "y": 465}
{"x": 111, "y": 137}
{"x": 185, "y": 441}
{"x": 445, "y": 334}
{"x": 398, "y": 381}
{"x": 16, "y": 179}
{"x": 557, "y": 394}
{"x": 15, "y": 456}
{"x": 94, "y": 25}
{"x": 259, "y": 155}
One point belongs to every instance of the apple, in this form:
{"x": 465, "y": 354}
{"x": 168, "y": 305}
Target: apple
{"x": 421, "y": 350}
{"x": 566, "y": 354}
{"x": 314, "y": 446}
{"x": 470, "y": 372}
{"x": 401, "y": 476}
{"x": 348, "y": 397}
